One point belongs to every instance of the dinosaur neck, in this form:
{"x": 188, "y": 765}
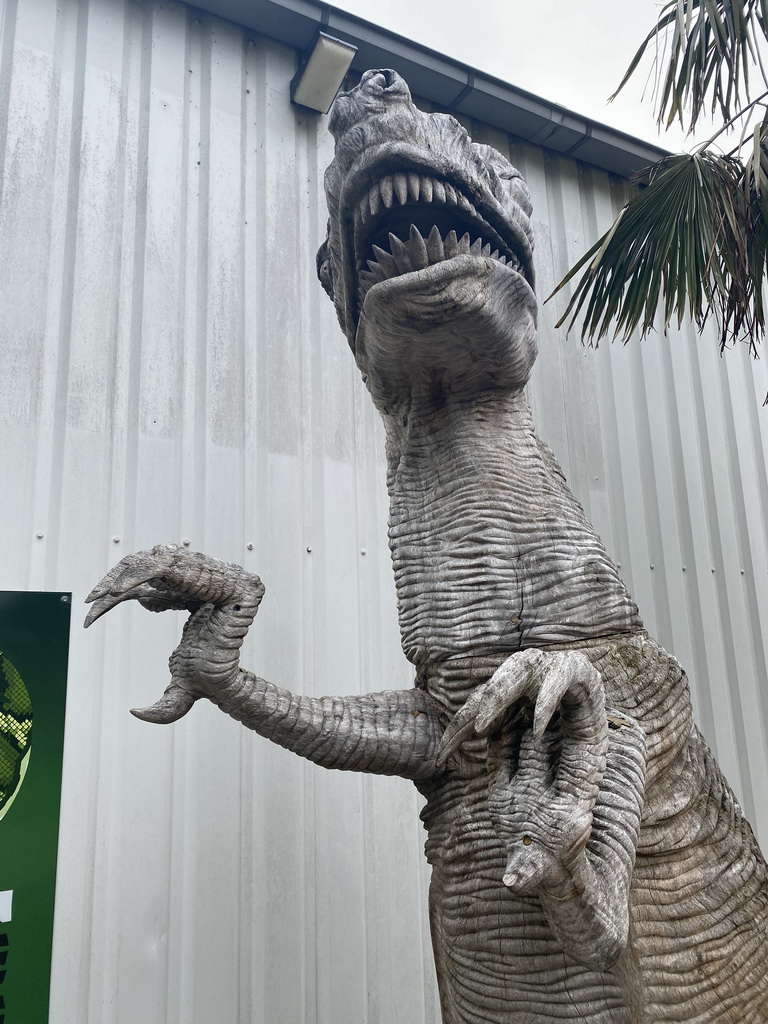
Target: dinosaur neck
{"x": 491, "y": 551}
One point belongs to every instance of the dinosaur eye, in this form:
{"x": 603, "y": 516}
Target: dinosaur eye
{"x": 527, "y": 840}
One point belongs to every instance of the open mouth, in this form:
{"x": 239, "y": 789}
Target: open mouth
{"x": 408, "y": 221}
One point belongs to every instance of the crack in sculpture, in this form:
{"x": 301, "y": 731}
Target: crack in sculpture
{"x": 589, "y": 862}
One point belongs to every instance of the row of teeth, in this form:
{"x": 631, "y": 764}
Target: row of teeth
{"x": 410, "y": 187}
{"x": 419, "y": 252}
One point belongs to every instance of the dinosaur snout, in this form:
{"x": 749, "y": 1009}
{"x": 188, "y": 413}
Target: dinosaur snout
{"x": 379, "y": 92}
{"x": 379, "y": 81}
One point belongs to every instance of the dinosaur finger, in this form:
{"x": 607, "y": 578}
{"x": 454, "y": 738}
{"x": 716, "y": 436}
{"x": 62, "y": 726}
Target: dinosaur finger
{"x": 514, "y": 680}
{"x": 453, "y": 737}
{"x": 551, "y": 693}
{"x": 112, "y": 582}
{"x": 172, "y": 706}
{"x": 143, "y": 592}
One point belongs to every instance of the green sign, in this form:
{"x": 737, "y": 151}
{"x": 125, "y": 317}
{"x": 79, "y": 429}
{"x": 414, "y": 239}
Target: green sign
{"x": 34, "y": 639}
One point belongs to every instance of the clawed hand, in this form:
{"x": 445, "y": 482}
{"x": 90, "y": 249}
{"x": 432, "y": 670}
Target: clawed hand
{"x": 544, "y": 712}
{"x": 223, "y": 600}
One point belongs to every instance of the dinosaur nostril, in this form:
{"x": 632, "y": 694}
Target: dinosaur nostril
{"x": 373, "y": 80}
{"x": 383, "y": 79}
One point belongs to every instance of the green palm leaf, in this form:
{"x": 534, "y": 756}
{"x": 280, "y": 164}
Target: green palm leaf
{"x": 692, "y": 240}
{"x": 688, "y": 244}
{"x": 711, "y": 45}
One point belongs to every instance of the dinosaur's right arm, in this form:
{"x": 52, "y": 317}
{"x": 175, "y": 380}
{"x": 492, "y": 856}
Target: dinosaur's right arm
{"x": 391, "y": 733}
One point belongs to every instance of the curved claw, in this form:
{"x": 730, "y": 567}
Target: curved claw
{"x": 128, "y": 581}
{"x": 197, "y": 579}
{"x": 453, "y": 738}
{"x": 489, "y": 703}
{"x": 172, "y": 706}
{"x": 145, "y": 594}
{"x": 544, "y": 679}
{"x": 130, "y": 570}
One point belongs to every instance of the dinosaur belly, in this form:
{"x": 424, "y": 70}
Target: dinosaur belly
{"x": 698, "y": 938}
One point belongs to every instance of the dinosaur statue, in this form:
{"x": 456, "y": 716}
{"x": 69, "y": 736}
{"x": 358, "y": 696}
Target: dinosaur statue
{"x": 589, "y": 861}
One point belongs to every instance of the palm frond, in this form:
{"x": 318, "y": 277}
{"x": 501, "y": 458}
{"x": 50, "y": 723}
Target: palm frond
{"x": 713, "y": 46}
{"x": 692, "y": 243}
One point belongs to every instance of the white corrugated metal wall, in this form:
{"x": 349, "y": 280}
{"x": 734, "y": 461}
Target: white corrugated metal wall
{"x": 173, "y": 372}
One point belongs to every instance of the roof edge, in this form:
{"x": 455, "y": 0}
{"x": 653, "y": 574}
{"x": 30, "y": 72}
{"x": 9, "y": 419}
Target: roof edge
{"x": 448, "y": 83}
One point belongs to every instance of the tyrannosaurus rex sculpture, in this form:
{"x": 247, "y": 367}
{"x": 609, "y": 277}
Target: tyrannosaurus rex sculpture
{"x": 589, "y": 862}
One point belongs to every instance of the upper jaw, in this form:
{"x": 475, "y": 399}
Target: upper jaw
{"x": 394, "y": 187}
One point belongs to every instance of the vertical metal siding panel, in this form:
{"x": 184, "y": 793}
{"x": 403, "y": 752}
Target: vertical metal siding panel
{"x": 212, "y": 972}
{"x": 285, "y": 565}
{"x": 24, "y": 213}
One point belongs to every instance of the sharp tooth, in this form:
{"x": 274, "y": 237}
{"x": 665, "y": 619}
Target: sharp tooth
{"x": 463, "y": 245}
{"x": 413, "y": 187}
{"x": 362, "y": 209}
{"x": 418, "y": 249}
{"x": 386, "y": 261}
{"x": 502, "y": 259}
{"x": 374, "y": 200}
{"x": 464, "y": 203}
{"x": 400, "y": 185}
{"x": 378, "y": 272}
{"x": 486, "y": 250}
{"x": 426, "y": 190}
{"x": 366, "y": 281}
{"x": 435, "y": 247}
{"x": 438, "y": 192}
{"x": 451, "y": 245}
{"x": 477, "y": 247}
{"x": 495, "y": 254}
{"x": 400, "y": 254}
{"x": 450, "y": 195}
{"x": 385, "y": 187}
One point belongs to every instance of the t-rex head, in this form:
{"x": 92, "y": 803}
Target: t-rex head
{"x": 429, "y": 250}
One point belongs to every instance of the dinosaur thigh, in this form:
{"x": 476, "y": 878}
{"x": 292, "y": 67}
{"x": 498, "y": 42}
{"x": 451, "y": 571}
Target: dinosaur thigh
{"x": 700, "y": 901}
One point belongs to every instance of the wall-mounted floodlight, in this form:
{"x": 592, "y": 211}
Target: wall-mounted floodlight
{"x": 320, "y": 75}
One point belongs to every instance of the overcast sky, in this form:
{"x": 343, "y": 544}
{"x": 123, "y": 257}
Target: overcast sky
{"x": 573, "y": 52}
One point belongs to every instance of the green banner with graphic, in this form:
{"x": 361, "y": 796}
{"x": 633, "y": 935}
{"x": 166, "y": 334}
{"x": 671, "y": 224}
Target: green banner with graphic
{"x": 34, "y": 640}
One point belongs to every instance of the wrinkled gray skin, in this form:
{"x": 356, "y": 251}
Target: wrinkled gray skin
{"x": 589, "y": 862}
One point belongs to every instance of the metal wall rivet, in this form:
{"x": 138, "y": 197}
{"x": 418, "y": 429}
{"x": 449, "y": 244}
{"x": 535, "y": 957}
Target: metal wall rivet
{"x": 249, "y": 546}
{"x": 309, "y": 551}
{"x": 186, "y": 542}
{"x": 362, "y": 551}
{"x": 39, "y": 536}
{"x": 115, "y": 540}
